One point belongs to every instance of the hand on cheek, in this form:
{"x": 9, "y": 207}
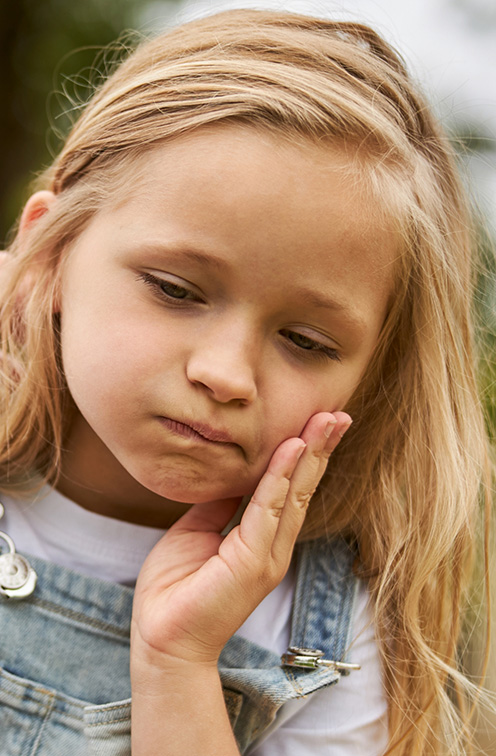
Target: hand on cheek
{"x": 278, "y": 507}
{"x": 197, "y": 587}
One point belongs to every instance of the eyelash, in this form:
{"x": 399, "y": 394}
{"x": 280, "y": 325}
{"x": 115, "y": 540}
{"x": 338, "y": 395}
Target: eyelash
{"x": 315, "y": 349}
{"x": 157, "y": 285}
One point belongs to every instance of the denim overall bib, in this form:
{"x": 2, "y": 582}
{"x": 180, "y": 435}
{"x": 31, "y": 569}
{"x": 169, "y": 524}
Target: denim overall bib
{"x": 64, "y": 658}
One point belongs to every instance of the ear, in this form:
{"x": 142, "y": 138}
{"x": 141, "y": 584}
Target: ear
{"x": 37, "y": 205}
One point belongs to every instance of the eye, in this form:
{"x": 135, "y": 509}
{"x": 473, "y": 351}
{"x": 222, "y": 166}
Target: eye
{"x": 174, "y": 290}
{"x": 308, "y": 347}
{"x": 169, "y": 290}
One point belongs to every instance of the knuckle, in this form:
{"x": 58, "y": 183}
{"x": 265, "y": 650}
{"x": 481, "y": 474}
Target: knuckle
{"x": 302, "y": 498}
{"x": 316, "y": 454}
{"x": 273, "y": 508}
{"x": 276, "y": 509}
{"x": 272, "y": 575}
{"x": 256, "y": 500}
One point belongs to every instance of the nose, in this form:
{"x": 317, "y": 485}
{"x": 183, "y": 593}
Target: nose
{"x": 224, "y": 363}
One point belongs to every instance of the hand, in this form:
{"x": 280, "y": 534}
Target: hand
{"x": 197, "y": 587}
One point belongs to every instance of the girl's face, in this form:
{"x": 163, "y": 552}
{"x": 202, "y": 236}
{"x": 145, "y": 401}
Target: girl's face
{"x": 238, "y": 288}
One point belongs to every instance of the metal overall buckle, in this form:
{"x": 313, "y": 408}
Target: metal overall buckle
{"x": 17, "y": 577}
{"x": 312, "y": 658}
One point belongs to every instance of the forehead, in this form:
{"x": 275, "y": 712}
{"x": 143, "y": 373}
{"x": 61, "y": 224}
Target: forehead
{"x": 240, "y": 170}
{"x": 292, "y": 210}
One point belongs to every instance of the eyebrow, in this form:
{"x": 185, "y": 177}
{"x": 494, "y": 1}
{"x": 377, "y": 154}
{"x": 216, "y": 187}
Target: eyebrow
{"x": 194, "y": 255}
{"x": 321, "y": 301}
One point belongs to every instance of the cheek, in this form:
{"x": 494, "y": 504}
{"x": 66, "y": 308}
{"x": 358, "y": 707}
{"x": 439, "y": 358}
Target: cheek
{"x": 95, "y": 366}
{"x": 300, "y": 397}
{"x": 297, "y": 400}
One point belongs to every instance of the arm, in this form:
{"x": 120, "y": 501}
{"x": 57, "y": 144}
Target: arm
{"x": 196, "y": 588}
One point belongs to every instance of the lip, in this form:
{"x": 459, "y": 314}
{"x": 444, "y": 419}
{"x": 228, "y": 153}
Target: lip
{"x": 199, "y": 431}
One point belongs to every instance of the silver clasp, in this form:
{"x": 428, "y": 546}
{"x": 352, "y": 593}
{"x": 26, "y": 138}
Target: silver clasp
{"x": 17, "y": 577}
{"x": 312, "y": 658}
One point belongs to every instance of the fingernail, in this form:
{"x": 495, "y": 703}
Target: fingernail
{"x": 343, "y": 430}
{"x": 300, "y": 450}
{"x": 329, "y": 428}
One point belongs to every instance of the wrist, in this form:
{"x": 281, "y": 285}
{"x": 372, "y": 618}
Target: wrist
{"x": 178, "y": 702}
{"x": 151, "y": 669}
{"x": 176, "y": 652}
{"x": 182, "y": 705}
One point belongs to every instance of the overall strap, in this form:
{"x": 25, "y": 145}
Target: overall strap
{"x": 324, "y": 597}
{"x": 256, "y": 683}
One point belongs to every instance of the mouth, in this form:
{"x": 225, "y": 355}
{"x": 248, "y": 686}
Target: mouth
{"x": 198, "y": 431}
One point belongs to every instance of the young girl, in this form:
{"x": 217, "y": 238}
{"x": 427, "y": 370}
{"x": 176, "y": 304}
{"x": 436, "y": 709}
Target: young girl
{"x": 254, "y": 233}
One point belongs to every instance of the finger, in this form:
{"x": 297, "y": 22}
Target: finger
{"x": 322, "y": 434}
{"x": 319, "y": 434}
{"x": 268, "y": 511}
{"x": 343, "y": 422}
{"x": 260, "y": 521}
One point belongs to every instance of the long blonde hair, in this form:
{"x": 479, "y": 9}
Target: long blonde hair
{"x": 405, "y": 485}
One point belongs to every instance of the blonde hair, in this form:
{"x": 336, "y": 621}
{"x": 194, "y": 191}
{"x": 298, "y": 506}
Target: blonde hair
{"x": 405, "y": 484}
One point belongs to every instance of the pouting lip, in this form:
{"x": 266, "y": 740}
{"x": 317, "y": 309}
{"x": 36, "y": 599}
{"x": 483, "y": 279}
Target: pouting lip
{"x": 198, "y": 429}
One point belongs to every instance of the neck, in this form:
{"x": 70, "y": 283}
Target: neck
{"x": 138, "y": 505}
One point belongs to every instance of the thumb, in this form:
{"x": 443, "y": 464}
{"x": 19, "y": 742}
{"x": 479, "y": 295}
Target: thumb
{"x": 209, "y": 516}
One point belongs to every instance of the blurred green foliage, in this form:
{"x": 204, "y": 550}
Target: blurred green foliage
{"x": 485, "y": 307}
{"x": 473, "y": 142}
{"x": 42, "y": 44}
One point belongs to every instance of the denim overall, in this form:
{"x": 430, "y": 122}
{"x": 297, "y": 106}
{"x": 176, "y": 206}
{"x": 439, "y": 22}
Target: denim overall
{"x": 64, "y": 658}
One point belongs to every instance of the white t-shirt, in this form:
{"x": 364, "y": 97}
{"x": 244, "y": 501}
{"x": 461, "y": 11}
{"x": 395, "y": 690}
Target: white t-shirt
{"x": 346, "y": 719}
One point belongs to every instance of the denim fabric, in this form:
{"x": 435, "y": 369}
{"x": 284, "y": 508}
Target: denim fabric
{"x": 64, "y": 654}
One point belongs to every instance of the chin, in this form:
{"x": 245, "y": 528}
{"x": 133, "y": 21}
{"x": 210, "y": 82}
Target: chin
{"x": 187, "y": 485}
{"x": 193, "y": 492}
{"x": 192, "y": 496}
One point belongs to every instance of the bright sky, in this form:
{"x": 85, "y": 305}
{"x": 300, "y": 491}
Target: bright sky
{"x": 449, "y": 45}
